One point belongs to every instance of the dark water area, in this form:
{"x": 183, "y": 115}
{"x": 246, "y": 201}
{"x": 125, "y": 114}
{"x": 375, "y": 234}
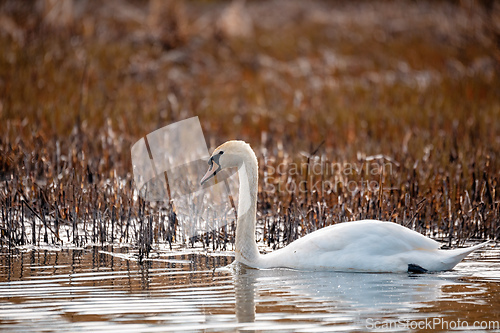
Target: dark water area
{"x": 106, "y": 289}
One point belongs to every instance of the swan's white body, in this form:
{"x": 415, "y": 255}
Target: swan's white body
{"x": 365, "y": 246}
{"x": 361, "y": 246}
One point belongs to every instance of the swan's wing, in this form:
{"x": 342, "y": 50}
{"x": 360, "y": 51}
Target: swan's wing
{"x": 367, "y": 245}
{"x": 374, "y": 237}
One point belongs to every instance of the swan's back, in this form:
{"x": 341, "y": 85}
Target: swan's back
{"x": 376, "y": 236}
{"x": 366, "y": 245}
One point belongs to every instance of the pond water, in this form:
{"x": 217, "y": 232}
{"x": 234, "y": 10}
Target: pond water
{"x": 105, "y": 289}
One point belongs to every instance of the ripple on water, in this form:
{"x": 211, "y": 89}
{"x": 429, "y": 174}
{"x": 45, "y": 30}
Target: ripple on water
{"x": 108, "y": 290}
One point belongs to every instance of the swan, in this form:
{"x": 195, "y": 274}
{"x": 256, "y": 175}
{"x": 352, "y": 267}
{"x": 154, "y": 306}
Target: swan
{"x": 357, "y": 246}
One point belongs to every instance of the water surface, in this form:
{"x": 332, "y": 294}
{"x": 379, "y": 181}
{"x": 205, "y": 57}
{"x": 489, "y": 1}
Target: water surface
{"x": 106, "y": 289}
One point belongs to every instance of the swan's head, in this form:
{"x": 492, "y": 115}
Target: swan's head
{"x": 228, "y": 155}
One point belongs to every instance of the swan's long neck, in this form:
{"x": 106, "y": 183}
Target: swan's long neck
{"x": 246, "y": 248}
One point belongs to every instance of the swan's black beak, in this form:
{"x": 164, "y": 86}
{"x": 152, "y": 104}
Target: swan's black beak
{"x": 212, "y": 170}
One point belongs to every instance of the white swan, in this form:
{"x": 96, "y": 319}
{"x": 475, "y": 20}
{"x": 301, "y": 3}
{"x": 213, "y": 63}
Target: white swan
{"x": 361, "y": 246}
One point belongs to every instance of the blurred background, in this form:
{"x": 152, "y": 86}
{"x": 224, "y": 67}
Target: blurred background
{"x": 413, "y": 84}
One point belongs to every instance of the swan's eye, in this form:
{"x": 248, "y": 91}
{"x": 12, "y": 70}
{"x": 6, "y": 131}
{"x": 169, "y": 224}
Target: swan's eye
{"x": 215, "y": 159}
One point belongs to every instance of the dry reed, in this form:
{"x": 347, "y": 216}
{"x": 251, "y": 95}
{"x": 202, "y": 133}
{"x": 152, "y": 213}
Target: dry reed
{"x": 322, "y": 85}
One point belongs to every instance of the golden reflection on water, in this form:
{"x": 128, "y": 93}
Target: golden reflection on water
{"x": 106, "y": 289}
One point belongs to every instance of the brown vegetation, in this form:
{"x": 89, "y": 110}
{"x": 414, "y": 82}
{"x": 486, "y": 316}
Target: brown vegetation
{"x": 413, "y": 86}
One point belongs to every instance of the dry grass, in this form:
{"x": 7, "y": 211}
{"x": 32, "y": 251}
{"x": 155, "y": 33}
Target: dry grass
{"x": 322, "y": 82}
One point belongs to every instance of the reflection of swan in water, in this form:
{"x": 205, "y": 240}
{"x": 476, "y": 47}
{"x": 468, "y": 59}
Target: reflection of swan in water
{"x": 363, "y": 246}
{"x": 244, "y": 290}
{"x": 352, "y": 297}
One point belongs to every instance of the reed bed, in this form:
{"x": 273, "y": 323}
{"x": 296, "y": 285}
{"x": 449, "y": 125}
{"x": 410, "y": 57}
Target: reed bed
{"x": 385, "y": 110}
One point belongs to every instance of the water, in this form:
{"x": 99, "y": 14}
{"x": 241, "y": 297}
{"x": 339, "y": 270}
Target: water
{"x": 99, "y": 289}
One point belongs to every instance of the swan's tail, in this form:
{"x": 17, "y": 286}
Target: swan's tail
{"x": 453, "y": 257}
